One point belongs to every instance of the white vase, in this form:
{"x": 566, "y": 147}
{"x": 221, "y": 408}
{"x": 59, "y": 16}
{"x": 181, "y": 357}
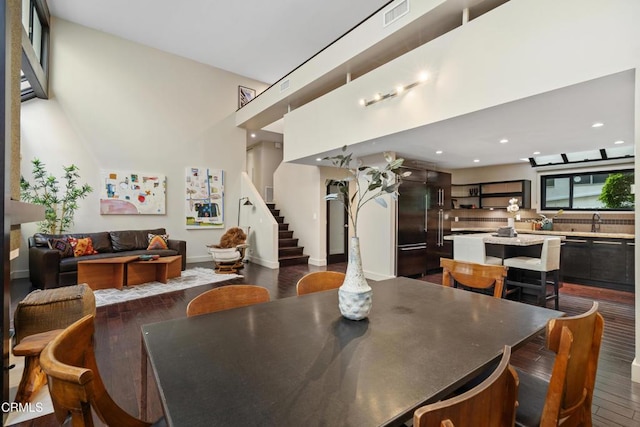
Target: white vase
{"x": 355, "y": 293}
{"x": 511, "y": 222}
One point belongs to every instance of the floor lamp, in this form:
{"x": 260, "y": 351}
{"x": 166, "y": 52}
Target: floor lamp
{"x": 246, "y": 203}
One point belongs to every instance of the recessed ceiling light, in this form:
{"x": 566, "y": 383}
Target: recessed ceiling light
{"x": 439, "y": 152}
{"x": 423, "y": 76}
{"x": 476, "y": 160}
{"x": 318, "y": 159}
{"x": 253, "y": 135}
{"x": 597, "y": 125}
{"x": 399, "y": 89}
{"x": 619, "y": 142}
{"x": 377, "y": 97}
{"x": 504, "y": 141}
{"x": 535, "y": 153}
{"x": 362, "y": 102}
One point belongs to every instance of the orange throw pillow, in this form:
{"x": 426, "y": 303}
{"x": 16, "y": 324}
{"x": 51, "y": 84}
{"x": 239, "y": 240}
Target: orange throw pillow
{"x": 82, "y": 247}
{"x": 158, "y": 241}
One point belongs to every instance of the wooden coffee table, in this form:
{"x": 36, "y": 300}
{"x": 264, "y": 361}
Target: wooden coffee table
{"x": 159, "y": 270}
{"x": 104, "y": 273}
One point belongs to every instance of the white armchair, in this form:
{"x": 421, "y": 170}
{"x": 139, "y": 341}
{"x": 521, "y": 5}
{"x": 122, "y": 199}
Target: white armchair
{"x": 225, "y": 259}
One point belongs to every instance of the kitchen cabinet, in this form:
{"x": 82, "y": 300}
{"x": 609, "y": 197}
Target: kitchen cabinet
{"x": 608, "y": 261}
{"x": 574, "y": 253}
{"x": 602, "y": 262}
{"x": 630, "y": 248}
{"x": 492, "y": 194}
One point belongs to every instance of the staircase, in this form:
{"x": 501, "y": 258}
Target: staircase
{"x": 289, "y": 253}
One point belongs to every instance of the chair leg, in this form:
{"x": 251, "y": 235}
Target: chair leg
{"x": 542, "y": 295}
{"x": 556, "y": 288}
{"x": 33, "y": 378}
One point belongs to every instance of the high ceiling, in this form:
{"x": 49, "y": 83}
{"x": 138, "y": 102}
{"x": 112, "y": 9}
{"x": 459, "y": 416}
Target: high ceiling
{"x": 263, "y": 40}
{"x": 267, "y": 40}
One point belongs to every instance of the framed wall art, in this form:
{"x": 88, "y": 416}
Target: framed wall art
{"x": 132, "y": 193}
{"x": 245, "y": 95}
{"x": 204, "y": 198}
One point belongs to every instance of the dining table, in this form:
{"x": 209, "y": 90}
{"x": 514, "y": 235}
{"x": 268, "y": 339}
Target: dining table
{"x": 297, "y": 361}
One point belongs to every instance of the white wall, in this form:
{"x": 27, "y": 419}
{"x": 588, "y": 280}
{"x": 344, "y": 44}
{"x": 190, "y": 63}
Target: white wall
{"x": 298, "y": 194}
{"x": 123, "y": 106}
{"x": 377, "y": 232}
{"x": 263, "y": 233}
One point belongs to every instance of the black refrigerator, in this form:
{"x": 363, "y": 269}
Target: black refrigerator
{"x": 423, "y": 221}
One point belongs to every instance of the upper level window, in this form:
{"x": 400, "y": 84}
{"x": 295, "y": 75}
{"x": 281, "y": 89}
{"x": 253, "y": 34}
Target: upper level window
{"x": 603, "y": 190}
{"x": 35, "y": 52}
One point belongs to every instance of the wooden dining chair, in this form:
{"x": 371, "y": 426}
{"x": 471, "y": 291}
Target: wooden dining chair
{"x": 226, "y": 297}
{"x": 75, "y": 384}
{"x": 492, "y": 403}
{"x": 472, "y": 275}
{"x": 566, "y": 398}
{"x": 319, "y": 281}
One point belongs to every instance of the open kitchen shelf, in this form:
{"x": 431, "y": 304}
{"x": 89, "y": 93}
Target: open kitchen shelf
{"x": 492, "y": 194}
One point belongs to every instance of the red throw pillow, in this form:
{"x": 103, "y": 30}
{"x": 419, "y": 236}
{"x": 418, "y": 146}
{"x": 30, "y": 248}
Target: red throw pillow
{"x": 158, "y": 241}
{"x": 82, "y": 247}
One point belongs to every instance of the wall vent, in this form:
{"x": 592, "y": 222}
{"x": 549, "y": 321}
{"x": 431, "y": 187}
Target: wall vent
{"x": 268, "y": 194}
{"x": 284, "y": 85}
{"x": 396, "y": 12}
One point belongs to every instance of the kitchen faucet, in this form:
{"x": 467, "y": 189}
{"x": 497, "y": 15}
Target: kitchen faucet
{"x": 595, "y": 222}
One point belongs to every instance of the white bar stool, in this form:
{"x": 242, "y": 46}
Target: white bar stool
{"x": 471, "y": 248}
{"x": 549, "y": 262}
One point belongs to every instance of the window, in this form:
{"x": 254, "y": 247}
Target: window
{"x": 35, "y": 52}
{"x": 603, "y": 190}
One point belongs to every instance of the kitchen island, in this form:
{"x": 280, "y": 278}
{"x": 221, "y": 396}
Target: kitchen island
{"x": 604, "y": 260}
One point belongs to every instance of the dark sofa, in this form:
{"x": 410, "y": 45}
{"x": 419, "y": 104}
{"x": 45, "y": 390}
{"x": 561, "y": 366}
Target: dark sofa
{"x": 47, "y": 269}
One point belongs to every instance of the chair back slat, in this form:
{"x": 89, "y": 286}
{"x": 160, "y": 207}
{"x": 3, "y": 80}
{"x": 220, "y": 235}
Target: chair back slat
{"x": 572, "y": 382}
{"x": 492, "y": 403}
{"x": 469, "y": 248}
{"x": 550, "y": 254}
{"x": 474, "y": 275}
{"x": 227, "y": 297}
{"x": 319, "y": 281}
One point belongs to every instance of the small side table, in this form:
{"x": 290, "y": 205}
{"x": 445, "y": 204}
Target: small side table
{"x": 160, "y": 270}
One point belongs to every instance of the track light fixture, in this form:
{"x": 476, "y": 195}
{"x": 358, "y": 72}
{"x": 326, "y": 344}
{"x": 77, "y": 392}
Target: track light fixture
{"x": 397, "y": 91}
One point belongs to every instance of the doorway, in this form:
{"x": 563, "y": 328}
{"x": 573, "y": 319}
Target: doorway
{"x": 337, "y": 226}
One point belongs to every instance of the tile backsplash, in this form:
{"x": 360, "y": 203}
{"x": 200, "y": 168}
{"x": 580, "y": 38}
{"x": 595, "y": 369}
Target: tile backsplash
{"x": 581, "y": 222}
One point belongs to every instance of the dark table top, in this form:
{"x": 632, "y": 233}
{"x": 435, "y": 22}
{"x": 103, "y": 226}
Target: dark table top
{"x": 296, "y": 361}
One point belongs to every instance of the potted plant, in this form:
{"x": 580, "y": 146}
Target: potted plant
{"x": 60, "y": 207}
{"x": 369, "y": 183}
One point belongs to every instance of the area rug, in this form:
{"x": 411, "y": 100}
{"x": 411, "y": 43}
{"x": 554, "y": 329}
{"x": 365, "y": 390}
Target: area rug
{"x": 191, "y": 277}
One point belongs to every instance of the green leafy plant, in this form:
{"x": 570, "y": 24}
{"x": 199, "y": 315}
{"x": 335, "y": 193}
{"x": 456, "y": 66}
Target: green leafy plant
{"x": 371, "y": 183}
{"x": 616, "y": 192}
{"x": 60, "y": 207}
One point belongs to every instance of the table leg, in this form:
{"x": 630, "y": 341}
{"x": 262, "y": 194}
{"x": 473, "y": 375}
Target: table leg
{"x": 143, "y": 380}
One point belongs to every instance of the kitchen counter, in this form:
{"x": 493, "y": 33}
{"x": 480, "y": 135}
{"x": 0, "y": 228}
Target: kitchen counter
{"x": 522, "y": 239}
{"x": 551, "y": 232}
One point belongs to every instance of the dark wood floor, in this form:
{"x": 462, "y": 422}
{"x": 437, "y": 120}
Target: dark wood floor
{"x": 616, "y": 401}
